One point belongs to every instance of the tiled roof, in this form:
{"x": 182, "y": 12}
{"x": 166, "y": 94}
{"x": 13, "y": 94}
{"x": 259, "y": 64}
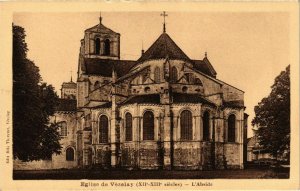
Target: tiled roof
{"x": 105, "y": 105}
{"x": 104, "y": 67}
{"x": 234, "y": 104}
{"x": 163, "y": 47}
{"x": 66, "y": 105}
{"x": 189, "y": 98}
{"x": 148, "y": 98}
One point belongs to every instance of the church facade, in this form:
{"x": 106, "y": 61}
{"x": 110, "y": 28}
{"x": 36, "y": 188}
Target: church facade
{"x": 162, "y": 111}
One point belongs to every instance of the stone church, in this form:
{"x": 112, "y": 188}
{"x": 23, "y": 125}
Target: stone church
{"x": 161, "y": 111}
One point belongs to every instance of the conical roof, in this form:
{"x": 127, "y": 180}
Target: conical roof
{"x": 164, "y": 47}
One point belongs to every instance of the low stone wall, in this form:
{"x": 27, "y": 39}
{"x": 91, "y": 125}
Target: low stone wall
{"x": 129, "y": 155}
{"x": 57, "y": 162}
{"x": 33, "y": 165}
{"x": 187, "y": 155}
{"x": 150, "y": 155}
{"x": 103, "y": 157}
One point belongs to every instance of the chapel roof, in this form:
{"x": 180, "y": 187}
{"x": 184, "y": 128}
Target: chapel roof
{"x": 177, "y": 98}
{"x": 190, "y": 98}
{"x": 104, "y": 105}
{"x": 234, "y": 104}
{"x": 147, "y": 98}
{"x": 164, "y": 47}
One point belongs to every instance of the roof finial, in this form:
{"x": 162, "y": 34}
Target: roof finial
{"x": 100, "y": 18}
{"x": 164, "y": 15}
{"x": 205, "y": 54}
{"x": 142, "y": 47}
{"x": 71, "y": 76}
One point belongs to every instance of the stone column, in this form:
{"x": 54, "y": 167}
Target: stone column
{"x": 113, "y": 124}
{"x": 167, "y": 138}
{"x": 167, "y": 129}
{"x": 241, "y": 140}
{"x": 175, "y": 128}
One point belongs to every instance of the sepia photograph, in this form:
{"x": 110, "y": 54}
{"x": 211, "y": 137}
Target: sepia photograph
{"x": 150, "y": 99}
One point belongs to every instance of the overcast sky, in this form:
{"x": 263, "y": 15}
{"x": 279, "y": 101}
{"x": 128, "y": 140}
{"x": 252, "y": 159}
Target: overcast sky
{"x": 248, "y": 50}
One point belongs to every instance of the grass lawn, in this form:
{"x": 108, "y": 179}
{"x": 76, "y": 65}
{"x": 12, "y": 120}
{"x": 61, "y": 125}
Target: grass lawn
{"x": 75, "y": 174}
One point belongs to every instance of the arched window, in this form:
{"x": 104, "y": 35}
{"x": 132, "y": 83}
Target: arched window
{"x": 189, "y": 78}
{"x": 231, "y": 128}
{"x": 128, "y": 127}
{"x": 103, "y": 129}
{"x": 107, "y": 47}
{"x": 205, "y": 122}
{"x": 70, "y": 154}
{"x": 148, "y": 126}
{"x": 186, "y": 125}
{"x": 157, "y": 75}
{"x": 198, "y": 82}
{"x": 174, "y": 74}
{"x": 63, "y": 129}
{"x": 97, "y": 46}
{"x": 96, "y": 85}
{"x": 145, "y": 76}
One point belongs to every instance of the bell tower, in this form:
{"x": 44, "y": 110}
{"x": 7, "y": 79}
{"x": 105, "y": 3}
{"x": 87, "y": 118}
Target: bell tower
{"x": 101, "y": 42}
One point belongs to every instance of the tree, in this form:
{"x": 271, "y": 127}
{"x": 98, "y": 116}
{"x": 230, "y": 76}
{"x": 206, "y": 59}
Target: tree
{"x": 272, "y": 117}
{"x": 33, "y": 102}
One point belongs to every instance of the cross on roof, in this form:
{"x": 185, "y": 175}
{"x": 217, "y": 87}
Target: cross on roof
{"x": 164, "y": 15}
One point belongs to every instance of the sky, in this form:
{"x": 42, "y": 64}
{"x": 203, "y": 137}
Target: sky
{"x": 247, "y": 49}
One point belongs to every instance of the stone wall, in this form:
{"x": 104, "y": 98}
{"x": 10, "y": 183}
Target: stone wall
{"x": 231, "y": 93}
{"x": 34, "y": 165}
{"x": 103, "y": 155}
{"x": 187, "y": 155}
{"x": 129, "y": 155}
{"x": 150, "y": 155}
{"x": 231, "y": 151}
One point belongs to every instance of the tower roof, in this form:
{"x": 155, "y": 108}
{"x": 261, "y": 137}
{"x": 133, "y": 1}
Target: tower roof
{"x": 69, "y": 85}
{"x": 102, "y": 29}
{"x": 164, "y": 47}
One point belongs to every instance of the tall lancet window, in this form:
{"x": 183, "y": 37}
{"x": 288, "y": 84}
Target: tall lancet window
{"x": 103, "y": 129}
{"x": 128, "y": 127}
{"x": 186, "y": 125}
{"x": 205, "y": 120}
{"x": 63, "y": 129}
{"x": 107, "y": 47}
{"x": 148, "y": 126}
{"x": 157, "y": 75}
{"x": 97, "y": 46}
{"x": 174, "y": 74}
{"x": 231, "y": 128}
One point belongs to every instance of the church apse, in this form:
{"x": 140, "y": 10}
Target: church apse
{"x": 163, "y": 110}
